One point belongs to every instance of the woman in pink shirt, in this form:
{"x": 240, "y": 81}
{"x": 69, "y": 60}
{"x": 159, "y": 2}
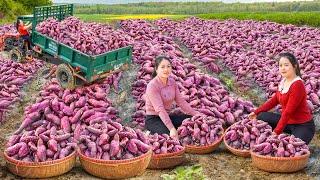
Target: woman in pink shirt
{"x": 161, "y": 92}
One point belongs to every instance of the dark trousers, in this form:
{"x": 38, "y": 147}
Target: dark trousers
{"x": 27, "y": 39}
{"x": 155, "y": 125}
{"x": 303, "y": 131}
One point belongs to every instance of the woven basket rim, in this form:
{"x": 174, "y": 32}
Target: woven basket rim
{"x": 35, "y": 164}
{"x": 159, "y": 156}
{"x": 117, "y": 162}
{"x": 206, "y": 146}
{"x": 228, "y": 146}
{"x": 232, "y": 148}
{"x": 281, "y": 158}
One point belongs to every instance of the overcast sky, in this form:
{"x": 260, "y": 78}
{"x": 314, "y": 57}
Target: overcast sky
{"x": 137, "y": 1}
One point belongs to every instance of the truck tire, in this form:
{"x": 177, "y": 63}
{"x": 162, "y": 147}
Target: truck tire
{"x": 65, "y": 76}
{"x": 8, "y": 44}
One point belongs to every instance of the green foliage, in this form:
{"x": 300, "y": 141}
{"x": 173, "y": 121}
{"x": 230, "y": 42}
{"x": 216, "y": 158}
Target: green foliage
{"x": 196, "y": 7}
{"x": 227, "y": 80}
{"x": 10, "y": 9}
{"x": 5, "y": 5}
{"x": 194, "y": 172}
{"x": 30, "y": 4}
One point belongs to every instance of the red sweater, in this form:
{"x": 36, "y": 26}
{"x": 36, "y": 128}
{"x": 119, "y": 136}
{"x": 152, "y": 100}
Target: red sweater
{"x": 294, "y": 105}
{"x": 23, "y": 30}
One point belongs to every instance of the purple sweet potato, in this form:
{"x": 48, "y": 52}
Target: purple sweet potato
{"x": 278, "y": 146}
{"x": 245, "y": 134}
{"x": 199, "y": 131}
{"x": 114, "y": 146}
{"x": 53, "y": 118}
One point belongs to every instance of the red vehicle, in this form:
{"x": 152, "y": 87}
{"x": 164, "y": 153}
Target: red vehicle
{"x": 7, "y": 40}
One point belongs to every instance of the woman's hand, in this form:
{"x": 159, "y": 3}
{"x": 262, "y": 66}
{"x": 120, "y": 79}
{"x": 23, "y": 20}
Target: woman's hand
{"x": 174, "y": 133}
{"x": 29, "y": 26}
{"x": 252, "y": 116}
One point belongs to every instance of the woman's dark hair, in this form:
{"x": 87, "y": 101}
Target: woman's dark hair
{"x": 17, "y": 24}
{"x": 158, "y": 60}
{"x": 293, "y": 60}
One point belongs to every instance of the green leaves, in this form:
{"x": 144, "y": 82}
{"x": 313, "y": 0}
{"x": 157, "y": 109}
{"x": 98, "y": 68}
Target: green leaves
{"x": 9, "y": 9}
{"x": 194, "y": 172}
{"x": 30, "y": 4}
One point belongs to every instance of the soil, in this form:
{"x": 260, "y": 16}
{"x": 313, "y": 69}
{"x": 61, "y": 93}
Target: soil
{"x": 121, "y": 99}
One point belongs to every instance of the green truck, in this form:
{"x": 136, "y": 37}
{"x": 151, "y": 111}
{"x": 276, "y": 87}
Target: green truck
{"x": 74, "y": 67}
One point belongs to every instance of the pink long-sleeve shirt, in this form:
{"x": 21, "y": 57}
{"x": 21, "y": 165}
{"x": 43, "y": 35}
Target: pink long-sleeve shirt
{"x": 160, "y": 98}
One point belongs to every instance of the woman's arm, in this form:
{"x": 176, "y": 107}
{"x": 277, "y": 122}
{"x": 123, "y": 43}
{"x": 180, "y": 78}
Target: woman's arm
{"x": 29, "y": 26}
{"x": 271, "y": 103}
{"x": 181, "y": 102}
{"x": 296, "y": 96}
{"x": 153, "y": 93}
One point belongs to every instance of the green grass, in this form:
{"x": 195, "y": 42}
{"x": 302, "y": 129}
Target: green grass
{"x": 197, "y": 7}
{"x": 296, "y": 18}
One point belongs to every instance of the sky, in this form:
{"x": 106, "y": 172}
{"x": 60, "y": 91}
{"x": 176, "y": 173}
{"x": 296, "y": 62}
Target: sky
{"x": 137, "y": 1}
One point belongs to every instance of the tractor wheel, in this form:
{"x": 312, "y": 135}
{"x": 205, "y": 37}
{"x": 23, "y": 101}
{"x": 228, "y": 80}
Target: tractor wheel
{"x": 9, "y": 41}
{"x": 16, "y": 55}
{"x": 8, "y": 44}
{"x": 65, "y": 76}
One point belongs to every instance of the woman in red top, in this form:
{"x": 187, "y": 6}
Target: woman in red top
{"x": 23, "y": 31}
{"x": 296, "y": 117}
{"x": 161, "y": 92}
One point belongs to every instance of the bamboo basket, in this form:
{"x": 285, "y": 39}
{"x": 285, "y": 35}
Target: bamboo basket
{"x": 40, "y": 169}
{"x": 168, "y": 160}
{"x": 115, "y": 169}
{"x": 237, "y": 152}
{"x": 280, "y": 164}
{"x": 203, "y": 149}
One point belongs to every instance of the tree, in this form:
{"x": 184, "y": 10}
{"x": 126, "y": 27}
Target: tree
{"x": 30, "y": 4}
{"x": 5, "y": 6}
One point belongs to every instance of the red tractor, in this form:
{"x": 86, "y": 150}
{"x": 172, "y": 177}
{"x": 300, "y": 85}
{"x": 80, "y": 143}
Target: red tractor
{"x": 15, "y": 45}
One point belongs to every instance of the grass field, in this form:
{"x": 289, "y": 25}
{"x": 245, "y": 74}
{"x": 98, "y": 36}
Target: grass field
{"x": 297, "y": 13}
{"x": 296, "y": 18}
{"x": 197, "y": 7}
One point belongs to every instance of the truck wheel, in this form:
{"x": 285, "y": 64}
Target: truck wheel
{"x": 65, "y": 77}
{"x": 16, "y": 55}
